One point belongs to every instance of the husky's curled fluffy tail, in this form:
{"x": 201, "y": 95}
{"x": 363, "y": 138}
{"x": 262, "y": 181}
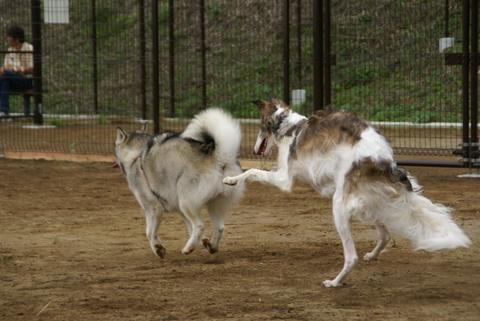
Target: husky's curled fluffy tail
{"x": 218, "y": 125}
{"x": 427, "y": 225}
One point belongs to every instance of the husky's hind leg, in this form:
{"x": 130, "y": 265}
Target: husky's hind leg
{"x": 153, "y": 218}
{"x": 193, "y": 216}
{"x": 216, "y": 209}
{"x": 342, "y": 218}
{"x": 187, "y": 223}
{"x": 383, "y": 239}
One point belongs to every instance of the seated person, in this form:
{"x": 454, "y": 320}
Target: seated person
{"x": 17, "y": 69}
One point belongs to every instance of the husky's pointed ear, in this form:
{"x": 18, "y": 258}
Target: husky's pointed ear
{"x": 122, "y": 136}
{"x": 144, "y": 127}
{"x": 260, "y": 103}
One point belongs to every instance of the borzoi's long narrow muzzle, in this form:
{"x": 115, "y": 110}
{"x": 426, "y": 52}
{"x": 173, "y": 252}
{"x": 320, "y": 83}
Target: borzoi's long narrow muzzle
{"x": 261, "y": 149}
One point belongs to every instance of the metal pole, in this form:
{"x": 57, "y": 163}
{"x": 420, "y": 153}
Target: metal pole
{"x": 299, "y": 43}
{"x": 155, "y": 69}
{"x": 171, "y": 56}
{"x": 446, "y": 18}
{"x": 94, "y": 55}
{"x": 465, "y": 80}
{"x": 143, "y": 68}
{"x": 203, "y": 50}
{"x": 328, "y": 54}
{"x": 474, "y": 83}
{"x": 317, "y": 55}
{"x": 286, "y": 51}
{"x": 36, "y": 17}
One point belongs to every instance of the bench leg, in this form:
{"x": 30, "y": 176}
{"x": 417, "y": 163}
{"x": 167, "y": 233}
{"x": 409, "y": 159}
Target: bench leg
{"x": 26, "y": 105}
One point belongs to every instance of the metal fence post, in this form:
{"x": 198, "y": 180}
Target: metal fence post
{"x": 203, "y": 50}
{"x": 446, "y": 18}
{"x": 142, "y": 52}
{"x": 474, "y": 83}
{"x": 317, "y": 55}
{"x": 94, "y": 55}
{"x": 155, "y": 69}
{"x": 36, "y": 17}
{"x": 286, "y": 51}
{"x": 465, "y": 80}
{"x": 299, "y": 43}
{"x": 171, "y": 56}
{"x": 328, "y": 55}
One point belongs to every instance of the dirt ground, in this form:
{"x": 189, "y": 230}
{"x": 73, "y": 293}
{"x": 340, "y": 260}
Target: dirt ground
{"x": 72, "y": 247}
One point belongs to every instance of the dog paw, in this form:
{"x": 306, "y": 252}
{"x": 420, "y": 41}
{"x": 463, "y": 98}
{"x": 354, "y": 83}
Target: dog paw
{"x": 230, "y": 181}
{"x": 331, "y": 283}
{"x": 159, "y": 250}
{"x": 206, "y": 243}
{"x": 187, "y": 250}
{"x": 370, "y": 256}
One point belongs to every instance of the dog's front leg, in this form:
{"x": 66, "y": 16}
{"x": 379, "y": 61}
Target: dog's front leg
{"x": 279, "y": 178}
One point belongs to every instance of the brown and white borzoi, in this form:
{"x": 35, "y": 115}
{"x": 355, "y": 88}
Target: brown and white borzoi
{"x": 342, "y": 156}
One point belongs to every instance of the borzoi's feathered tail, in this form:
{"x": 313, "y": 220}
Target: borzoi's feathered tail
{"x": 427, "y": 225}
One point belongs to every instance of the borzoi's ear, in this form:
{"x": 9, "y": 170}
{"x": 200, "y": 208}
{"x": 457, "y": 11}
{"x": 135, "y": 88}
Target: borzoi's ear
{"x": 260, "y": 103}
{"x": 144, "y": 127}
{"x": 122, "y": 136}
{"x": 278, "y": 102}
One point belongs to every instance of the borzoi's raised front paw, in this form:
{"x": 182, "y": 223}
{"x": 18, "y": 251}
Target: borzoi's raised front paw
{"x": 331, "y": 283}
{"x": 206, "y": 243}
{"x": 230, "y": 181}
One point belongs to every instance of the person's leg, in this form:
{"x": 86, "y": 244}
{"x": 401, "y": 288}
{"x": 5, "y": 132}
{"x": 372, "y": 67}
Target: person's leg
{"x": 18, "y": 82}
{"x": 4, "y": 91}
{"x": 12, "y": 82}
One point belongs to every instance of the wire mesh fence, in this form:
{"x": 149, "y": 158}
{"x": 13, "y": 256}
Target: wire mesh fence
{"x": 239, "y": 60}
{"x": 390, "y": 70}
{"x": 97, "y": 67}
{"x": 90, "y": 78}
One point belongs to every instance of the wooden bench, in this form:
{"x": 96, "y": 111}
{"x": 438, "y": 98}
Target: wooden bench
{"x": 26, "y": 95}
{"x": 26, "y": 100}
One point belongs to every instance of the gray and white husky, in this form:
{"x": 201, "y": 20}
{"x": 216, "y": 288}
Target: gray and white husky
{"x": 184, "y": 172}
{"x": 345, "y": 158}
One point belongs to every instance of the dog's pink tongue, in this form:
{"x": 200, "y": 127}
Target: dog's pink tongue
{"x": 262, "y": 148}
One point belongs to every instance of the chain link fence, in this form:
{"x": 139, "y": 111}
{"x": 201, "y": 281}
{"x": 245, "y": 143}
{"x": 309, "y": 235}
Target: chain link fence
{"x": 386, "y": 65}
